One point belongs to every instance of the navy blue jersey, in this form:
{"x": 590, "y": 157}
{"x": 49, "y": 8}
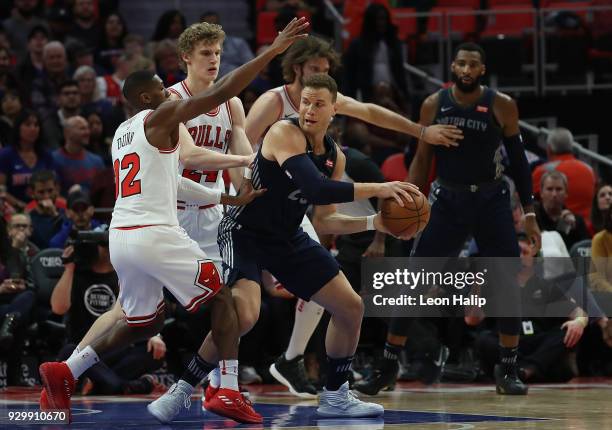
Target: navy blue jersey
{"x": 280, "y": 211}
{"x": 478, "y": 158}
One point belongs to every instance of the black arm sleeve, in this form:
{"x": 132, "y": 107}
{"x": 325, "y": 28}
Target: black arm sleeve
{"x": 316, "y": 188}
{"x": 519, "y": 168}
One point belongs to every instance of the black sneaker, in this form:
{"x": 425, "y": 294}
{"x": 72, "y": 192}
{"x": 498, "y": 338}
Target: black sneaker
{"x": 430, "y": 367}
{"x": 508, "y": 383}
{"x": 381, "y": 378}
{"x": 292, "y": 374}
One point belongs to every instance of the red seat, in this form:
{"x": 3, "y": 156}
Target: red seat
{"x": 394, "y": 169}
{"x": 406, "y": 24}
{"x": 260, "y": 5}
{"x": 514, "y": 22}
{"x": 459, "y": 24}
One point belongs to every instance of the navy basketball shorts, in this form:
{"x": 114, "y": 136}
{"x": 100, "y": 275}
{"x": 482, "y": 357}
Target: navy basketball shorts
{"x": 299, "y": 263}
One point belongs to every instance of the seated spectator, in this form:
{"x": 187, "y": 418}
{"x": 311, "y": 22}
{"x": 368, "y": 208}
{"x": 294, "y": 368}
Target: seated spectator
{"x": 134, "y": 44}
{"x": 6, "y": 209}
{"x": 581, "y": 179}
{"x": 46, "y": 215}
{"x": 374, "y": 56}
{"x": 546, "y": 340}
{"x": 24, "y": 156}
{"x": 236, "y": 50}
{"x": 88, "y": 288}
{"x": 551, "y": 212}
{"x": 74, "y": 163}
{"x": 85, "y": 24}
{"x": 167, "y": 61}
{"x": 58, "y": 17}
{"x": 45, "y": 88}
{"x": 69, "y": 103}
{"x": 111, "y": 45}
{"x": 22, "y": 20}
{"x": 601, "y": 203}
{"x": 10, "y": 108}
{"x": 99, "y": 141}
{"x": 93, "y": 103}
{"x": 601, "y": 250}
{"x": 17, "y": 293}
{"x": 32, "y": 65}
{"x": 109, "y": 86}
{"x": 170, "y": 25}
{"x": 79, "y": 216}
{"x": 8, "y": 78}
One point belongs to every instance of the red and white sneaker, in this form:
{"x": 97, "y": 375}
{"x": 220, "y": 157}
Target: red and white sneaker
{"x": 44, "y": 401}
{"x": 209, "y": 393}
{"x": 58, "y": 384}
{"x": 232, "y": 404}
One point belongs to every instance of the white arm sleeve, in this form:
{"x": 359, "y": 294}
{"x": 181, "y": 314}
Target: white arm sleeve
{"x": 192, "y": 191}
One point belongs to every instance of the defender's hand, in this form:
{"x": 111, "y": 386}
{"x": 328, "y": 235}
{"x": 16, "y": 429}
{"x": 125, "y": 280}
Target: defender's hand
{"x": 532, "y": 230}
{"x": 444, "y": 135}
{"x": 247, "y": 195}
{"x": 295, "y": 30}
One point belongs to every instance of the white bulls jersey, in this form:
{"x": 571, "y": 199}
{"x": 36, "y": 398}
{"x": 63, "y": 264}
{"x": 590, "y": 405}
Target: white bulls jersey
{"x": 145, "y": 177}
{"x": 212, "y": 130}
{"x": 288, "y": 109}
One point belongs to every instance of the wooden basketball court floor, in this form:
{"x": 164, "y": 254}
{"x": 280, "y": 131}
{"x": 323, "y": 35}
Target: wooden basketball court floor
{"x": 580, "y": 405}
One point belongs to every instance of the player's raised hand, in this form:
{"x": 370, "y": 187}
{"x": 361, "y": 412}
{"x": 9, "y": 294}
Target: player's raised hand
{"x": 444, "y": 135}
{"x": 295, "y": 30}
{"x": 396, "y": 190}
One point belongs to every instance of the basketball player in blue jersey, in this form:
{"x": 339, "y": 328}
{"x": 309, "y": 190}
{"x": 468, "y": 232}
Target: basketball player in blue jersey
{"x": 470, "y": 198}
{"x": 299, "y": 165}
{"x": 307, "y": 57}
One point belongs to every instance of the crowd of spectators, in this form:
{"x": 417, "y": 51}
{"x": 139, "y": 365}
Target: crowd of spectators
{"x": 62, "y": 66}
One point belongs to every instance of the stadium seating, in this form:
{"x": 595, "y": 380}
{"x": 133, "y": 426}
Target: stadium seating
{"x": 406, "y": 23}
{"x": 460, "y": 25}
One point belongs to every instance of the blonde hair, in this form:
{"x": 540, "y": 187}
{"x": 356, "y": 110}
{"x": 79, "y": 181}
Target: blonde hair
{"x": 199, "y": 32}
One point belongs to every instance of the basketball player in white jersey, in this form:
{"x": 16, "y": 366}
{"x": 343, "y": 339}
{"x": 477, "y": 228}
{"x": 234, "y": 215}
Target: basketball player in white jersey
{"x": 306, "y": 57}
{"x": 221, "y": 130}
{"x": 148, "y": 248}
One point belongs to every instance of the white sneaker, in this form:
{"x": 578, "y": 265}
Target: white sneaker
{"x": 343, "y": 403}
{"x": 168, "y": 406}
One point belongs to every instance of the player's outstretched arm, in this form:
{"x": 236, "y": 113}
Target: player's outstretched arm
{"x": 194, "y": 157}
{"x": 192, "y": 191}
{"x": 445, "y": 135}
{"x": 172, "y": 113}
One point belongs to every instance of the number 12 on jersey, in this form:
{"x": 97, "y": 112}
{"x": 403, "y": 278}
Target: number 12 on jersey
{"x": 129, "y": 186}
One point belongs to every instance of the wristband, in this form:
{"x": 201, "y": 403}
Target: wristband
{"x": 528, "y": 214}
{"x": 248, "y": 173}
{"x": 370, "y": 222}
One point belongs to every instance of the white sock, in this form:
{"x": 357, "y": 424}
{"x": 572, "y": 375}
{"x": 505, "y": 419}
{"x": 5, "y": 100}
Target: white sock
{"x": 307, "y": 317}
{"x": 229, "y": 374}
{"x": 215, "y": 377}
{"x": 79, "y": 363}
{"x": 74, "y": 353}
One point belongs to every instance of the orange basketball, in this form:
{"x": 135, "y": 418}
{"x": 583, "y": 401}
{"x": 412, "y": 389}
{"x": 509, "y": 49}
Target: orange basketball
{"x": 407, "y": 220}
